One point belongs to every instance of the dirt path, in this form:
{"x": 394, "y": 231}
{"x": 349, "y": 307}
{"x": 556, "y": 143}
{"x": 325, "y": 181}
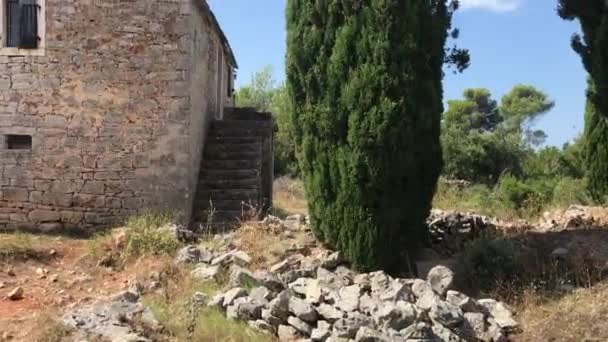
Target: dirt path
{"x": 54, "y": 276}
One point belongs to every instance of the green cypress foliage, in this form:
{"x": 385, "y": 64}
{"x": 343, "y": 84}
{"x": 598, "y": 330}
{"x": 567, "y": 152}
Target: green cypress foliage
{"x": 366, "y": 80}
{"x": 592, "y": 46}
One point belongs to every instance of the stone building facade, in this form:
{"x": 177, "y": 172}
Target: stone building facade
{"x": 107, "y": 115}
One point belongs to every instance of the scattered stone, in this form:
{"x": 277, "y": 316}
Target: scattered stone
{"x": 394, "y": 316}
{"x": 287, "y": 333}
{"x": 54, "y": 278}
{"x": 462, "y": 301}
{"x": 349, "y": 298}
{"x": 217, "y": 301}
{"x": 279, "y": 307}
{"x": 11, "y": 273}
{"x": 280, "y": 267}
{"x": 111, "y": 320}
{"x": 242, "y": 277}
{"x": 366, "y": 334}
{"x": 16, "y": 294}
{"x": 262, "y": 295}
{"x": 499, "y": 311}
{"x": 188, "y": 255}
{"x": 321, "y": 332}
{"x": 302, "y": 310}
{"x": 269, "y": 280}
{"x": 126, "y": 296}
{"x": 444, "y": 334}
{"x": 420, "y": 331}
{"x": 395, "y": 292}
{"x": 2, "y": 285}
{"x": 441, "y": 279}
{"x": 329, "y": 313}
{"x": 245, "y": 308}
{"x": 330, "y": 280}
{"x": 332, "y": 261}
{"x": 241, "y": 258}
{"x": 427, "y": 300}
{"x": 301, "y": 326}
{"x": 446, "y": 313}
{"x": 204, "y": 272}
{"x": 420, "y": 288}
{"x": 232, "y": 295}
{"x": 273, "y": 320}
{"x": 475, "y": 325}
{"x": 300, "y": 285}
{"x": 222, "y": 260}
{"x": 347, "y": 327}
{"x": 262, "y": 326}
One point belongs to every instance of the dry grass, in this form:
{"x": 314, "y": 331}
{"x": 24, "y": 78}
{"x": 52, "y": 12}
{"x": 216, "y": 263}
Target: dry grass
{"x": 50, "y": 329}
{"x": 579, "y": 316}
{"x": 172, "y": 309}
{"x": 261, "y": 241}
{"x": 288, "y": 197}
{"x": 22, "y": 246}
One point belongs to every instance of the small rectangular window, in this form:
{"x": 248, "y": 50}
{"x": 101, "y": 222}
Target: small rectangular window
{"x": 18, "y": 142}
{"x": 13, "y": 17}
{"x": 21, "y": 17}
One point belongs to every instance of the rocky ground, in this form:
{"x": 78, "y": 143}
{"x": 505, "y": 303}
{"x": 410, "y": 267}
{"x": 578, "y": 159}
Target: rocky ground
{"x": 272, "y": 275}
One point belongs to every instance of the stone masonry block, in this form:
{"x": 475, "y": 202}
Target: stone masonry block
{"x": 15, "y": 194}
{"x": 44, "y": 216}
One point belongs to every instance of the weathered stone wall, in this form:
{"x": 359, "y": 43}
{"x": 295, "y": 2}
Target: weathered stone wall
{"x": 109, "y": 110}
{"x": 205, "y": 46}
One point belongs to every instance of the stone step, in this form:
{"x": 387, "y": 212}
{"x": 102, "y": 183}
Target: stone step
{"x": 237, "y": 164}
{"x": 233, "y": 140}
{"x": 246, "y": 114}
{"x": 206, "y": 204}
{"x": 232, "y": 155}
{"x": 245, "y": 183}
{"x": 245, "y": 195}
{"x": 225, "y": 146}
{"x": 240, "y": 124}
{"x": 222, "y": 174}
{"x": 220, "y": 216}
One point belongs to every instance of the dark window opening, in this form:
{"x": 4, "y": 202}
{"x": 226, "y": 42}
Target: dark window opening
{"x": 18, "y": 142}
{"x": 22, "y": 24}
{"x": 230, "y": 81}
{"x": 12, "y": 23}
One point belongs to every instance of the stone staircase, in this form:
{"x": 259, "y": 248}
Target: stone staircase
{"x": 235, "y": 181}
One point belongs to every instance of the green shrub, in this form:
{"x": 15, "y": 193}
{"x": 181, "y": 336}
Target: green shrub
{"x": 489, "y": 261}
{"x": 365, "y": 80}
{"x": 144, "y": 235}
{"x": 570, "y": 191}
{"x": 513, "y": 191}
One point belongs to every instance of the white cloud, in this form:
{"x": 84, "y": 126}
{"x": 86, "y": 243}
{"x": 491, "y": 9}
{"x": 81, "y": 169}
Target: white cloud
{"x": 492, "y": 5}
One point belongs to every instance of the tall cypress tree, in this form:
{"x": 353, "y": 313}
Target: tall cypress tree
{"x": 592, "y": 46}
{"x": 366, "y": 80}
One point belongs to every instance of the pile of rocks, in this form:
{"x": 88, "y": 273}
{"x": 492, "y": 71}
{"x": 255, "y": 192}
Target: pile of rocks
{"x": 449, "y": 230}
{"x": 121, "y": 317}
{"x": 576, "y": 216}
{"x": 319, "y": 299}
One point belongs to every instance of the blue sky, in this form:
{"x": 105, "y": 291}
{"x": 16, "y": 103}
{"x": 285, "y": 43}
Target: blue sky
{"x": 511, "y": 42}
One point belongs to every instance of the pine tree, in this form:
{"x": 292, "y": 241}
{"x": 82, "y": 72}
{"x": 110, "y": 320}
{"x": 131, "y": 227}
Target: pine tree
{"x": 365, "y": 77}
{"x": 592, "y": 46}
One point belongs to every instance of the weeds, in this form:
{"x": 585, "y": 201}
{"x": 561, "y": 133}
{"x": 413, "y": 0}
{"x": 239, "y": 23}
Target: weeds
{"x": 288, "y": 197}
{"x": 49, "y": 329}
{"x": 22, "y": 246}
{"x": 145, "y": 236}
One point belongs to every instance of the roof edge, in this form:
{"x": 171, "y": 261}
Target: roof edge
{"x": 218, "y": 28}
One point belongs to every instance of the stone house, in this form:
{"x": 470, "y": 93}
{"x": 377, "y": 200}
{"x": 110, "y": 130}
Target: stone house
{"x": 105, "y": 108}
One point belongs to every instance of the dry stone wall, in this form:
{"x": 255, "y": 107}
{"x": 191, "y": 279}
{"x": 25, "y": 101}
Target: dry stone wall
{"x": 108, "y": 109}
